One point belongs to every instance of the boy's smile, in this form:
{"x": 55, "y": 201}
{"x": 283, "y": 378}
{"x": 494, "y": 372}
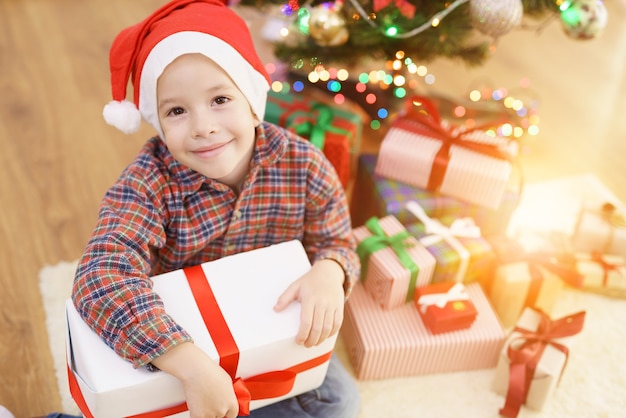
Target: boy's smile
{"x": 207, "y": 122}
{"x": 208, "y": 152}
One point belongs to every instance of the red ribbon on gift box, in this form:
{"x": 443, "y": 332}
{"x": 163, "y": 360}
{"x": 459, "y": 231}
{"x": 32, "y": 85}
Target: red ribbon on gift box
{"x": 525, "y": 356}
{"x": 263, "y": 386}
{"x": 566, "y": 272}
{"x": 422, "y": 117}
{"x": 598, "y": 257}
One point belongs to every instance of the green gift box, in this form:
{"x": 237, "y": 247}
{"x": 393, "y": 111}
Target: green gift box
{"x": 336, "y": 131}
{"x": 374, "y": 195}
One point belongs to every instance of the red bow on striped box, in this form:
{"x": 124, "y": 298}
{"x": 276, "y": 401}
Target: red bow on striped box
{"x": 422, "y": 150}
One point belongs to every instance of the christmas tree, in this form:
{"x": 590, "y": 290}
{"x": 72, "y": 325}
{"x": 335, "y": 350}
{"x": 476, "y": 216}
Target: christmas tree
{"x": 347, "y": 31}
{"x": 373, "y": 51}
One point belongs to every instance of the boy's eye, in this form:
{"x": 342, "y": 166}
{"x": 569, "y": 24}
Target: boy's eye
{"x": 221, "y": 100}
{"x": 175, "y": 111}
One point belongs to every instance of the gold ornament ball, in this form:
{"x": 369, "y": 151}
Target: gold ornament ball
{"x": 327, "y": 26}
{"x": 495, "y": 17}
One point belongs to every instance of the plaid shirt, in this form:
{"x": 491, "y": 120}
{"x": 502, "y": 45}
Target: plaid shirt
{"x": 161, "y": 216}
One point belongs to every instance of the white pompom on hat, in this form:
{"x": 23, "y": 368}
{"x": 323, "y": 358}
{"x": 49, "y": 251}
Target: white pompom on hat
{"x": 141, "y": 53}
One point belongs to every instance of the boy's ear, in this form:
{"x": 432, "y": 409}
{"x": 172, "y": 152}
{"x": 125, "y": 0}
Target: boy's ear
{"x": 257, "y": 121}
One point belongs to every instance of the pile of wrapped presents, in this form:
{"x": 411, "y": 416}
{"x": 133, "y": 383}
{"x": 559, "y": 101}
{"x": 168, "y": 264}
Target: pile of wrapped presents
{"x": 444, "y": 285}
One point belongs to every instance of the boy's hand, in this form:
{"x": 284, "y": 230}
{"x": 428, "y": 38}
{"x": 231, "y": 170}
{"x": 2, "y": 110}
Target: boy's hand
{"x": 208, "y": 388}
{"x": 320, "y": 292}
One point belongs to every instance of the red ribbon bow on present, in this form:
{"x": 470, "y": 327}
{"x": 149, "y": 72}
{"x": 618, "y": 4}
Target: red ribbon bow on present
{"x": 598, "y": 257}
{"x": 553, "y": 264}
{"x": 422, "y": 117}
{"x": 537, "y": 260}
{"x": 524, "y": 357}
{"x": 406, "y": 9}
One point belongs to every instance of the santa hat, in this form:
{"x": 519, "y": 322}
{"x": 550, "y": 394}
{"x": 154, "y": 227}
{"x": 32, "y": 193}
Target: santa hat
{"x": 141, "y": 53}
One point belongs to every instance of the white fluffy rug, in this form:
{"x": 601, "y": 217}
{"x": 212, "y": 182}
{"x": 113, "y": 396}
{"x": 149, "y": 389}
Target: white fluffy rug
{"x": 593, "y": 384}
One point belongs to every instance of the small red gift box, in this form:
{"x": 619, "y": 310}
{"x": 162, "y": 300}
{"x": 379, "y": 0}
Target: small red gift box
{"x": 445, "y": 307}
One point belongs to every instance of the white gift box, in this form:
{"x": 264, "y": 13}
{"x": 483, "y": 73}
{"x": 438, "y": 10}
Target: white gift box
{"x": 548, "y": 369}
{"x": 597, "y": 230}
{"x": 555, "y": 205}
{"x": 246, "y": 287}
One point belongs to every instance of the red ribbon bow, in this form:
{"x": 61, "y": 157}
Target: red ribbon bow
{"x": 607, "y": 267}
{"x": 566, "y": 272}
{"x": 424, "y": 119}
{"x": 524, "y": 357}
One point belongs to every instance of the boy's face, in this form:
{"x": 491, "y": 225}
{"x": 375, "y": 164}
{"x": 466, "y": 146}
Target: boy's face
{"x": 207, "y": 122}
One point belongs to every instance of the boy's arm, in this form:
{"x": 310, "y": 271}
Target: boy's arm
{"x": 208, "y": 387}
{"x": 112, "y": 290}
{"x": 328, "y": 228}
{"x": 328, "y": 239}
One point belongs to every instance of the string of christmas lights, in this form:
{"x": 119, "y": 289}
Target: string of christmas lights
{"x": 329, "y": 29}
{"x": 521, "y": 110}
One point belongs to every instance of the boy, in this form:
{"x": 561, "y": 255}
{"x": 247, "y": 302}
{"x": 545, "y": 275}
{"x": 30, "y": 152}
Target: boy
{"x": 215, "y": 182}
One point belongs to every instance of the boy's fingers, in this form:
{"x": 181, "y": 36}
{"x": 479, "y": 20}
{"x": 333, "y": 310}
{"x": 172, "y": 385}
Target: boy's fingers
{"x": 288, "y": 296}
{"x": 306, "y": 322}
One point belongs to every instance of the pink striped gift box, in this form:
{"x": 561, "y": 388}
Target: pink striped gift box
{"x": 409, "y": 155}
{"x": 386, "y": 279}
{"x": 384, "y": 344}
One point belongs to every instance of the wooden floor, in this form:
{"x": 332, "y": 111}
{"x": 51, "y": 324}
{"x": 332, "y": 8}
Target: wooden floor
{"x": 58, "y": 157}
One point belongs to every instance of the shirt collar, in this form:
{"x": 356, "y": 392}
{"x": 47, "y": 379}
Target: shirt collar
{"x": 270, "y": 147}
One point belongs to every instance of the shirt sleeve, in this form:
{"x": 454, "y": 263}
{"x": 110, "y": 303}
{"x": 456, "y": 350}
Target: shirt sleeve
{"x": 328, "y": 228}
{"x": 112, "y": 290}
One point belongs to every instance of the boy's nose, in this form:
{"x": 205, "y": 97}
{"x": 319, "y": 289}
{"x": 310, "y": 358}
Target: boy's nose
{"x": 204, "y": 124}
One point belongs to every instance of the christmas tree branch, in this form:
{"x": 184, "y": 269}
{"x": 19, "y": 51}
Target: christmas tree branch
{"x": 453, "y": 37}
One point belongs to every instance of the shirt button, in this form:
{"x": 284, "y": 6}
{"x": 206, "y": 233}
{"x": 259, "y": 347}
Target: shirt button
{"x": 237, "y": 214}
{"x": 230, "y": 248}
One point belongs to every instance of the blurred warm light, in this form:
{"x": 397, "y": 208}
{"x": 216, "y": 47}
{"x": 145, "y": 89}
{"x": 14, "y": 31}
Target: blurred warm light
{"x": 475, "y": 95}
{"x": 399, "y": 80}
